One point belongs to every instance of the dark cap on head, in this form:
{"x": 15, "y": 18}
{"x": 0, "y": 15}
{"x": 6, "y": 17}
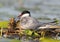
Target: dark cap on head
{"x": 26, "y": 11}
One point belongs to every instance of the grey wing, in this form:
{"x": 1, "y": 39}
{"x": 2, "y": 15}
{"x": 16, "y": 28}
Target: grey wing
{"x": 29, "y": 23}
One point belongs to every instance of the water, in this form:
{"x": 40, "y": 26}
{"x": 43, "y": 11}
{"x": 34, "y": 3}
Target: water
{"x": 4, "y": 40}
{"x": 48, "y": 8}
{"x": 23, "y": 39}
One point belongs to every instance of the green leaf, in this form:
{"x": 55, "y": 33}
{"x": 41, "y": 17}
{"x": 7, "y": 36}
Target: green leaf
{"x": 3, "y": 24}
{"x": 28, "y": 32}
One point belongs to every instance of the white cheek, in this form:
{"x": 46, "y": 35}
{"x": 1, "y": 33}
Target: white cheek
{"x": 25, "y": 15}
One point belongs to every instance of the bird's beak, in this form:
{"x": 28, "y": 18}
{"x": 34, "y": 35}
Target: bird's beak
{"x": 20, "y": 15}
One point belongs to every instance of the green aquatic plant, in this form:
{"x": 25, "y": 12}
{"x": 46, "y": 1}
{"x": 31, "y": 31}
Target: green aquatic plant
{"x": 14, "y": 40}
{"x": 56, "y": 20}
{"x": 48, "y": 40}
{"x": 28, "y": 32}
{"x": 4, "y": 24}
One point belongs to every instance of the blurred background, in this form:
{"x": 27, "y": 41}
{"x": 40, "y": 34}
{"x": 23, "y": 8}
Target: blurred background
{"x": 45, "y": 10}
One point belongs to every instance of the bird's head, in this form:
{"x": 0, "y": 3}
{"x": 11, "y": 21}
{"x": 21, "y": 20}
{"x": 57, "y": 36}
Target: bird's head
{"x": 25, "y": 14}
